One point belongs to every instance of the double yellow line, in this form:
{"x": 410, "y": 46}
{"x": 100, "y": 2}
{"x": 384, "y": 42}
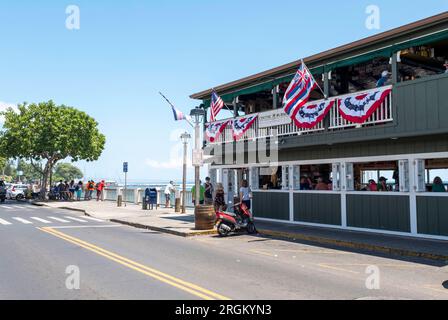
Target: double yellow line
{"x": 150, "y": 272}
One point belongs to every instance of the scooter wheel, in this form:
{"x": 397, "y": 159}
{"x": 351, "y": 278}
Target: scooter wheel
{"x": 223, "y": 229}
{"x": 251, "y": 228}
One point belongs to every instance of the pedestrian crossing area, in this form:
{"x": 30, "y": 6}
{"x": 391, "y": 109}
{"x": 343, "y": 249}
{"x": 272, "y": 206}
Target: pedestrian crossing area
{"x": 11, "y": 215}
{"x": 46, "y": 220}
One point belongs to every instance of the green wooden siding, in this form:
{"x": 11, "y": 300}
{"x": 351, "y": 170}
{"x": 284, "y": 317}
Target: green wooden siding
{"x": 272, "y": 205}
{"x": 382, "y": 212}
{"x": 317, "y": 208}
{"x": 432, "y": 215}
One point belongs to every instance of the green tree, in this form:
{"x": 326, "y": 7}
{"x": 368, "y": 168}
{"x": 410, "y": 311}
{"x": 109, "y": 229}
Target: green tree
{"x": 66, "y": 172}
{"x": 48, "y": 133}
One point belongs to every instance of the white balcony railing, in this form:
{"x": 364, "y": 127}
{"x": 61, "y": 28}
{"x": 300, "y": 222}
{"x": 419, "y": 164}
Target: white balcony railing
{"x": 381, "y": 115}
{"x": 277, "y": 120}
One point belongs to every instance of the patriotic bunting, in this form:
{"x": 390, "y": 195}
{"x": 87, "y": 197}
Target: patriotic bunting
{"x": 312, "y": 113}
{"x": 240, "y": 126}
{"x": 358, "y": 108}
{"x": 213, "y": 130}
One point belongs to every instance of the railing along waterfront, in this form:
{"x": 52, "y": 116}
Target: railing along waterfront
{"x": 136, "y": 196}
{"x": 269, "y": 122}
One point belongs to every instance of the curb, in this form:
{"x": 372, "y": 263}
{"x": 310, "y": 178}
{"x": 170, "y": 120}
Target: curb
{"x": 138, "y": 225}
{"x": 355, "y": 245}
{"x": 164, "y": 230}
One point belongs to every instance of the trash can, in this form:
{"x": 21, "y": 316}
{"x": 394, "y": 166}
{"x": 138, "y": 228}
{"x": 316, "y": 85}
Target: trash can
{"x": 119, "y": 200}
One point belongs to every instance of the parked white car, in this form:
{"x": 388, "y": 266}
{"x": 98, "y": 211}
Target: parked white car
{"x": 16, "y": 191}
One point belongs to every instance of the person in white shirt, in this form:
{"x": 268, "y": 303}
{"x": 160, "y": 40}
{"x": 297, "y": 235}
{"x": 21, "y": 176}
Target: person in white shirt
{"x": 168, "y": 189}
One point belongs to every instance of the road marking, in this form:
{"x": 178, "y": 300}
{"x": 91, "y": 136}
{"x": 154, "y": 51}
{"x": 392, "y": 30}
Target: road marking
{"x": 150, "y": 272}
{"x": 75, "y": 219}
{"x": 90, "y": 226}
{"x": 328, "y": 266}
{"x": 93, "y": 219}
{"x": 6, "y": 207}
{"x": 59, "y": 219}
{"x": 4, "y": 222}
{"x": 437, "y": 288}
{"x": 22, "y": 220}
{"x": 40, "y": 220}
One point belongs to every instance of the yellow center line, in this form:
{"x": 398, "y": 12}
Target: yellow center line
{"x": 153, "y": 273}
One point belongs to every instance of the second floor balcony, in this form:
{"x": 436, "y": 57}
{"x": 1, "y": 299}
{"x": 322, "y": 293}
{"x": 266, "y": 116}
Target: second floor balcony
{"x": 277, "y": 122}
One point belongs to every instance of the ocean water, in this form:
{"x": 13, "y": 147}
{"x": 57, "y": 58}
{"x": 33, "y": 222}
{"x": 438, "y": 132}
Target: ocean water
{"x": 133, "y": 185}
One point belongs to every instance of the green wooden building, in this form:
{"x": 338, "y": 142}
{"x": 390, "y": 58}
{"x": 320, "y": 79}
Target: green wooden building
{"x": 405, "y": 140}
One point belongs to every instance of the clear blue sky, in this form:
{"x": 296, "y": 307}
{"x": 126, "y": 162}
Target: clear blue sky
{"x": 126, "y": 51}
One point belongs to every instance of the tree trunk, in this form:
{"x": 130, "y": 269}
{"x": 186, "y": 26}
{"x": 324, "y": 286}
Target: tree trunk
{"x": 46, "y": 174}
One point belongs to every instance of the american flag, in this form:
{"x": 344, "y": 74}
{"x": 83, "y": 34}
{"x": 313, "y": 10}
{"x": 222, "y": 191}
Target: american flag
{"x": 216, "y": 104}
{"x": 298, "y": 92}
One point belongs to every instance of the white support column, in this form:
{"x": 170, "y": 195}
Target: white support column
{"x": 413, "y": 173}
{"x": 343, "y": 177}
{"x": 291, "y": 192}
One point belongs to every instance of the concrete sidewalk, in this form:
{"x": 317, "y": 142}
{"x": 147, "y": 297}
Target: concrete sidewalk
{"x": 167, "y": 221}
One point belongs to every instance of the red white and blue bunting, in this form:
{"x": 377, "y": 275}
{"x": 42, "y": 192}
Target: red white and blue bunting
{"x": 358, "y": 108}
{"x": 214, "y": 129}
{"x": 240, "y": 126}
{"x": 312, "y": 113}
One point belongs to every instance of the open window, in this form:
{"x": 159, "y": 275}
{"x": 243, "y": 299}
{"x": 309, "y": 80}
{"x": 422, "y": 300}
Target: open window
{"x": 432, "y": 175}
{"x": 384, "y": 176}
{"x": 423, "y": 61}
{"x": 359, "y": 77}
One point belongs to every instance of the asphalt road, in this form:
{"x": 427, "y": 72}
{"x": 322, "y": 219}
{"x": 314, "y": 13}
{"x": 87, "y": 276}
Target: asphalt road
{"x": 38, "y": 244}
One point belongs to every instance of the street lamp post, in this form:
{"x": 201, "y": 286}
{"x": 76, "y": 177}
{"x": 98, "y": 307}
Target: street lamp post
{"x": 197, "y": 114}
{"x": 184, "y": 138}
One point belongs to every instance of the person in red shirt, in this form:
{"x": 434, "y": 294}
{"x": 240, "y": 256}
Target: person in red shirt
{"x": 99, "y": 190}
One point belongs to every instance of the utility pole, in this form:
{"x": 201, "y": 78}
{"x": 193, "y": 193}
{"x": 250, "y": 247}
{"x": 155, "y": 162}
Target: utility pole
{"x": 184, "y": 138}
{"x": 197, "y": 114}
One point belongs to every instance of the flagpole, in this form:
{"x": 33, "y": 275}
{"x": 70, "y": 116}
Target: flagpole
{"x": 317, "y": 84}
{"x": 169, "y": 102}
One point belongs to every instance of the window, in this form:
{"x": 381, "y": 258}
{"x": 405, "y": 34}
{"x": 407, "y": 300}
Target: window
{"x": 382, "y": 176}
{"x": 423, "y": 61}
{"x": 318, "y": 177}
{"x": 270, "y": 178}
{"x": 359, "y": 77}
{"x": 434, "y": 173}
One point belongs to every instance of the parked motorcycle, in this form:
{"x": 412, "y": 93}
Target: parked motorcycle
{"x": 242, "y": 219}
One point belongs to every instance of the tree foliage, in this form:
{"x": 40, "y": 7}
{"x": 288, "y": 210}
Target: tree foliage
{"x": 48, "y": 133}
{"x": 66, "y": 172}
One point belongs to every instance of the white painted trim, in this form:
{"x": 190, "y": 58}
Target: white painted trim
{"x": 396, "y": 157}
{"x": 432, "y": 194}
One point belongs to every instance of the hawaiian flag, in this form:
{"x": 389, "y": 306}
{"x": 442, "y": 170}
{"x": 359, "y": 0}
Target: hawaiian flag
{"x": 214, "y": 129}
{"x": 178, "y": 115}
{"x": 299, "y": 90}
{"x": 312, "y": 113}
{"x": 216, "y": 104}
{"x": 358, "y": 107}
{"x": 241, "y": 125}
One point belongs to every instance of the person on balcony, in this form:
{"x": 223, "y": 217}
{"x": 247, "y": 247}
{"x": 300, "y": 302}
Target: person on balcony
{"x": 372, "y": 185}
{"x": 305, "y": 183}
{"x": 438, "y": 185}
{"x": 383, "y": 80}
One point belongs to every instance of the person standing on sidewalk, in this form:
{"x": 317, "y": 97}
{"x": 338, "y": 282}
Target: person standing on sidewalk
{"x": 245, "y": 194}
{"x": 209, "y": 190}
{"x": 78, "y": 190}
{"x": 99, "y": 190}
{"x": 168, "y": 190}
{"x": 201, "y": 193}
